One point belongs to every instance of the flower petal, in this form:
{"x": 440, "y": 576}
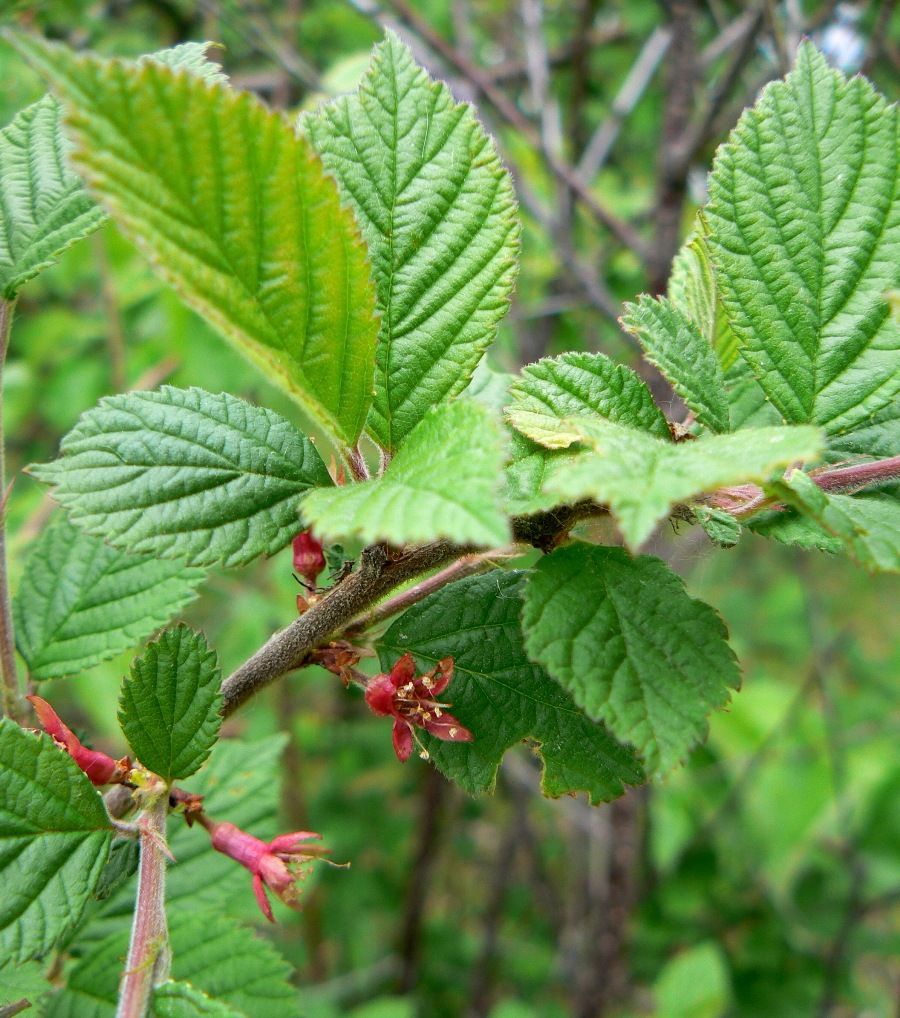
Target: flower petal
{"x": 262, "y": 899}
{"x": 403, "y": 740}
{"x": 446, "y": 727}
{"x": 403, "y": 671}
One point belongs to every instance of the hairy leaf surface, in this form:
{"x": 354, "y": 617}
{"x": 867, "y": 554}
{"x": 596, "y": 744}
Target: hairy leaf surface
{"x": 804, "y": 217}
{"x": 182, "y": 1000}
{"x": 439, "y": 215}
{"x": 444, "y": 482}
{"x": 623, "y": 637}
{"x": 185, "y": 473}
{"x": 868, "y": 526}
{"x": 641, "y": 477}
{"x": 81, "y": 601}
{"x": 54, "y": 839}
{"x": 44, "y": 207}
{"x": 674, "y": 344}
{"x": 579, "y": 385}
{"x": 236, "y": 212}
{"x": 500, "y": 696}
{"x": 170, "y": 704}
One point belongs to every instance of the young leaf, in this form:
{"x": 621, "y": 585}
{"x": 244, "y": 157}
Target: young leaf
{"x": 235, "y": 211}
{"x": 579, "y": 385}
{"x": 170, "y": 704}
{"x": 641, "y": 477}
{"x": 721, "y": 527}
{"x": 792, "y": 528}
{"x": 804, "y": 214}
{"x": 500, "y": 696}
{"x": 623, "y": 637}
{"x": 212, "y": 953}
{"x": 182, "y": 1000}
{"x": 444, "y": 482}
{"x": 44, "y": 207}
{"x": 81, "y": 602}
{"x": 54, "y": 839}
{"x": 184, "y": 473}
{"x": 693, "y": 290}
{"x": 439, "y": 215}
{"x": 674, "y": 344}
{"x": 868, "y": 526}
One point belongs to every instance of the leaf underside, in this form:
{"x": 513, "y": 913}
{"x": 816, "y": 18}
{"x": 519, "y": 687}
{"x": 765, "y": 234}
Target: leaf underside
{"x": 641, "y": 477}
{"x": 438, "y": 212}
{"x": 501, "y": 696}
{"x": 234, "y": 209}
{"x": 444, "y": 483}
{"x": 623, "y": 637}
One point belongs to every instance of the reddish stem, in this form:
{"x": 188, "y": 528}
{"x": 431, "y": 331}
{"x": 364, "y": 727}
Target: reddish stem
{"x": 857, "y": 476}
{"x": 149, "y": 956}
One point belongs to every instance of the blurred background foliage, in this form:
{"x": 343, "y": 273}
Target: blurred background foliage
{"x": 762, "y": 879}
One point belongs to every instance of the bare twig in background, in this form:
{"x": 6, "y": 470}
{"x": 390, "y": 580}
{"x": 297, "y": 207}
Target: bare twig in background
{"x": 435, "y": 795}
{"x": 678, "y": 106}
{"x": 115, "y": 332}
{"x": 628, "y": 96}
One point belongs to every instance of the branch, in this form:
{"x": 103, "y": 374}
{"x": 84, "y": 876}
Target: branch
{"x": 380, "y": 571}
{"x": 12, "y": 702}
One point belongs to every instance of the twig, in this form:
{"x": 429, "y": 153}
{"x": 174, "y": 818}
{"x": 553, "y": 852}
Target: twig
{"x": 12, "y": 703}
{"x": 16, "y": 1007}
{"x": 149, "y": 955}
{"x": 633, "y": 87}
{"x": 508, "y": 110}
{"x": 115, "y": 334}
{"x": 435, "y": 790}
{"x": 468, "y": 565}
{"x": 378, "y": 574}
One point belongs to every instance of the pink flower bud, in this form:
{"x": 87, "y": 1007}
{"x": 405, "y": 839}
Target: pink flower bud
{"x": 309, "y": 559}
{"x": 100, "y": 768}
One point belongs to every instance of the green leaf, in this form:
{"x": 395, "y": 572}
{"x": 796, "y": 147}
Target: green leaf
{"x": 214, "y": 954}
{"x": 804, "y": 216}
{"x": 438, "y": 212}
{"x": 444, "y": 482}
{"x": 54, "y": 839}
{"x": 190, "y": 57}
{"x": 18, "y": 982}
{"x": 674, "y": 344}
{"x": 694, "y": 984}
{"x": 868, "y": 526}
{"x": 185, "y": 473}
{"x": 623, "y": 637}
{"x": 500, "y": 696}
{"x": 721, "y": 527}
{"x": 693, "y": 290}
{"x": 235, "y": 211}
{"x": 579, "y": 385}
{"x": 44, "y": 207}
{"x": 182, "y": 1000}
{"x": 81, "y": 602}
{"x": 792, "y": 528}
{"x": 170, "y": 705}
{"x": 641, "y": 477}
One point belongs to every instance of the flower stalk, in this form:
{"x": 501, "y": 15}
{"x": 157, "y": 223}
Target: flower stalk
{"x": 12, "y": 700}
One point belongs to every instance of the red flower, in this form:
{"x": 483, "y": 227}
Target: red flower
{"x": 275, "y": 864}
{"x": 100, "y": 768}
{"x": 411, "y": 700}
{"x": 309, "y": 559}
